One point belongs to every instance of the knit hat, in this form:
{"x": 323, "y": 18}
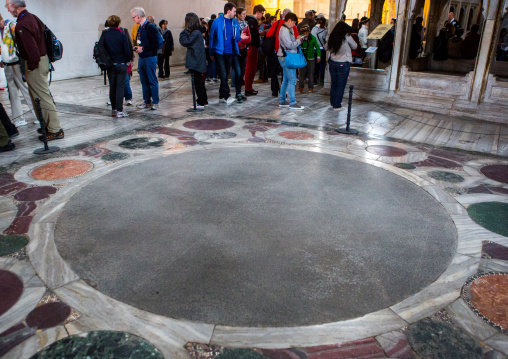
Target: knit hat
{"x": 364, "y": 20}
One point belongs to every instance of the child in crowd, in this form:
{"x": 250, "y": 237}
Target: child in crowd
{"x": 192, "y": 39}
{"x": 312, "y": 53}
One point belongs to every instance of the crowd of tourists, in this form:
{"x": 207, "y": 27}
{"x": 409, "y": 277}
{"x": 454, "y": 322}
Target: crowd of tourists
{"x": 231, "y": 48}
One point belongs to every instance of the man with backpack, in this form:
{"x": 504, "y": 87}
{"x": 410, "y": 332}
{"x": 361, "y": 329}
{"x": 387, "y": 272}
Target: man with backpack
{"x": 148, "y": 43}
{"x": 31, "y": 44}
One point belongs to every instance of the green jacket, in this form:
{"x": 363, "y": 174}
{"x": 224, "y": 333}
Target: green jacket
{"x": 308, "y": 47}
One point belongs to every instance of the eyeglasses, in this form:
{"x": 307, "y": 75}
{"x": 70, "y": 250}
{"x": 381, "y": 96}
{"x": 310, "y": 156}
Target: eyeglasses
{"x": 135, "y": 17}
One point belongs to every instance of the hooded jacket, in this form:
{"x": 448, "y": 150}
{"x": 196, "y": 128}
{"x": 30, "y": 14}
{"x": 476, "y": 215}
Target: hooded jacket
{"x": 218, "y": 36}
{"x": 254, "y": 30}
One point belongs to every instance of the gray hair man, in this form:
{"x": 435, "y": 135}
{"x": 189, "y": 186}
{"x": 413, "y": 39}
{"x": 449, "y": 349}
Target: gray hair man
{"x": 29, "y": 38}
{"x": 147, "y": 47}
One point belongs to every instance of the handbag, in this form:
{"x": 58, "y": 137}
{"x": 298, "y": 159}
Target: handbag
{"x": 294, "y": 60}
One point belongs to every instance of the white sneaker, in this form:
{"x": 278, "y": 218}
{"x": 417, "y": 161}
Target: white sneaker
{"x": 199, "y": 107}
{"x": 230, "y": 100}
{"x": 128, "y": 102}
{"x": 22, "y": 123}
{"x": 108, "y": 103}
{"x": 296, "y": 107}
{"x": 122, "y": 114}
{"x": 142, "y": 106}
{"x": 339, "y": 109}
{"x": 222, "y": 100}
{"x": 155, "y": 106}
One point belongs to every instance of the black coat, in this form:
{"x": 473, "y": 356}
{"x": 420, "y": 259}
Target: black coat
{"x": 254, "y": 31}
{"x": 195, "y": 44}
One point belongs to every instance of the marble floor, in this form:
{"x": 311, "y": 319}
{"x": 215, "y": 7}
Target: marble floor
{"x": 250, "y": 231}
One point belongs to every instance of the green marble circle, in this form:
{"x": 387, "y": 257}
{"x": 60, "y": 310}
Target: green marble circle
{"x": 446, "y": 176}
{"x": 405, "y": 166}
{"x": 100, "y": 345}
{"x": 12, "y": 244}
{"x": 114, "y": 156}
{"x": 490, "y": 215}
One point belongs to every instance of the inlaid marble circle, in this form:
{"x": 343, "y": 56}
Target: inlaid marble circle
{"x": 446, "y": 176}
{"x": 296, "y": 135}
{"x": 12, "y": 244}
{"x": 389, "y": 151}
{"x": 11, "y": 288}
{"x": 48, "y": 315}
{"x": 496, "y": 172}
{"x": 61, "y": 169}
{"x": 214, "y": 124}
{"x": 490, "y": 215}
{"x": 141, "y": 143}
{"x": 488, "y": 295}
{"x": 256, "y": 236}
{"x": 101, "y": 344}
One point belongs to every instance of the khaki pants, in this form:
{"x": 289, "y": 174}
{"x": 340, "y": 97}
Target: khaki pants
{"x": 38, "y": 88}
{"x": 4, "y": 138}
{"x": 15, "y": 83}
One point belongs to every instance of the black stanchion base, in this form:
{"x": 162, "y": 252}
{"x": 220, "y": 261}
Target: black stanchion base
{"x": 351, "y": 131}
{"x": 43, "y": 151}
{"x": 195, "y": 109}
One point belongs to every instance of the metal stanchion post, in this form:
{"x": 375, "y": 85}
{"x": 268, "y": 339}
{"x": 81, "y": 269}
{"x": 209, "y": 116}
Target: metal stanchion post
{"x": 194, "y": 108}
{"x": 105, "y": 72}
{"x": 46, "y": 149}
{"x": 348, "y": 130}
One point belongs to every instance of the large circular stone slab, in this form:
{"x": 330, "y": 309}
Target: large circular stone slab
{"x": 256, "y": 237}
{"x": 61, "y": 169}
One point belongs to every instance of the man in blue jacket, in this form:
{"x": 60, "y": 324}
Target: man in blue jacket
{"x": 147, "y": 47}
{"x": 224, "y": 38}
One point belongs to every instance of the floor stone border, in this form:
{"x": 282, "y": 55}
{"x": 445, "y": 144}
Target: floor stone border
{"x": 99, "y": 310}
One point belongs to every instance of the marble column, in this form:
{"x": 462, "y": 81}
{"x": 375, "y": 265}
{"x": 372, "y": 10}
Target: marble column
{"x": 336, "y": 9}
{"x": 397, "y": 45}
{"x": 486, "y": 51}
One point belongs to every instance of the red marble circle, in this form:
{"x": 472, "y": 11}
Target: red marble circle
{"x": 48, "y": 315}
{"x": 389, "y": 151}
{"x": 296, "y": 135}
{"x": 35, "y": 194}
{"x": 11, "y": 288}
{"x": 496, "y": 172}
{"x": 489, "y": 294}
{"x": 61, "y": 169}
{"x": 209, "y": 124}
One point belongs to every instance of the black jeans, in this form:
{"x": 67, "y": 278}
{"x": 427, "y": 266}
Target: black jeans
{"x": 117, "y": 76}
{"x": 273, "y": 70}
{"x": 224, "y": 63}
{"x": 163, "y": 64}
{"x": 199, "y": 86}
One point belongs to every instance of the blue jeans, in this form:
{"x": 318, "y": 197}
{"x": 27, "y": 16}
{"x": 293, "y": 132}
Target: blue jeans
{"x": 127, "y": 90}
{"x": 288, "y": 83}
{"x": 339, "y": 72}
{"x": 210, "y": 70}
{"x": 224, "y": 63}
{"x": 147, "y": 68}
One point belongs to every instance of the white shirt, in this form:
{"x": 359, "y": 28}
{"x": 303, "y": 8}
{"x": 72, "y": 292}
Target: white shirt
{"x": 362, "y": 36}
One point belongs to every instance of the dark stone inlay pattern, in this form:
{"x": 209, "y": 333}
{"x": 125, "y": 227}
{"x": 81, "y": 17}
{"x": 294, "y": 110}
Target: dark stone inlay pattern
{"x": 405, "y": 166}
{"x": 496, "y": 172}
{"x": 433, "y": 161}
{"x": 22, "y": 334}
{"x": 48, "y": 315}
{"x": 222, "y": 135}
{"x": 12, "y": 244}
{"x": 479, "y": 189}
{"x": 12, "y": 187}
{"x": 495, "y": 251}
{"x": 100, "y": 345}
{"x": 25, "y": 208}
{"x": 35, "y": 194}
{"x": 490, "y": 215}
{"x": 431, "y": 338}
{"x": 20, "y": 225}
{"x": 236, "y": 221}
{"x": 114, "y": 156}
{"x": 446, "y": 176}
{"x": 214, "y": 124}
{"x": 388, "y": 151}
{"x": 11, "y": 288}
{"x": 142, "y": 143}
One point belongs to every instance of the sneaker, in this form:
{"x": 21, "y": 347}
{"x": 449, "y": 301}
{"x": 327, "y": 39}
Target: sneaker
{"x": 239, "y": 98}
{"x": 142, "y": 105}
{"x": 251, "y": 93}
{"x": 198, "y": 107}
{"x": 8, "y": 147}
{"x": 230, "y": 100}
{"x": 50, "y": 136}
{"x": 208, "y": 80}
{"x": 301, "y": 90}
{"x": 122, "y": 114}
{"x": 155, "y": 106}
{"x": 284, "y": 104}
{"x": 339, "y": 109}
{"x": 311, "y": 90}
{"x": 244, "y": 98}
{"x": 22, "y": 123}
{"x": 128, "y": 102}
{"x": 108, "y": 103}
{"x": 113, "y": 113}
{"x": 214, "y": 79}
{"x": 222, "y": 100}
{"x": 296, "y": 107}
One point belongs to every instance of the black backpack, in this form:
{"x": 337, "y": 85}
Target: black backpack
{"x": 54, "y": 47}
{"x": 101, "y": 55}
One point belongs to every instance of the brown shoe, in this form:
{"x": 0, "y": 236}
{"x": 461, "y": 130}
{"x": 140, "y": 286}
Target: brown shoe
{"x": 301, "y": 90}
{"x": 311, "y": 90}
{"x": 50, "y": 136}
